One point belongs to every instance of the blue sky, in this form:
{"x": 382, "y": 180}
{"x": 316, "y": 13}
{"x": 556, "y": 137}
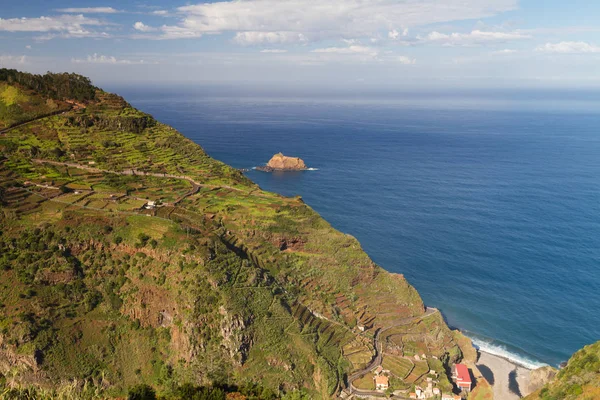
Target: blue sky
{"x": 337, "y": 43}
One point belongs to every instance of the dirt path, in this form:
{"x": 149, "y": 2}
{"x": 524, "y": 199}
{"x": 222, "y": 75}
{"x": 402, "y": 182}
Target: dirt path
{"x": 196, "y": 186}
{"x": 20, "y": 124}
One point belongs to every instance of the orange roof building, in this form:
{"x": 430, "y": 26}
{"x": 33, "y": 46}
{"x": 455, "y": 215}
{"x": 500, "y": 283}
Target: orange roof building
{"x": 382, "y": 382}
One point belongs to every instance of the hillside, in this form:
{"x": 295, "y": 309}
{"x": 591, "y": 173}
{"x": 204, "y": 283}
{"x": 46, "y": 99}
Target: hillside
{"x": 579, "y": 379}
{"x": 129, "y": 256}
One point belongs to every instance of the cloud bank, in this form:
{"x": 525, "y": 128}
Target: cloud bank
{"x": 276, "y": 21}
{"x": 89, "y": 10}
{"x": 568, "y": 48}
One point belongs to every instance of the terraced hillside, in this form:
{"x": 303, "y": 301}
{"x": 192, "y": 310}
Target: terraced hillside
{"x": 129, "y": 256}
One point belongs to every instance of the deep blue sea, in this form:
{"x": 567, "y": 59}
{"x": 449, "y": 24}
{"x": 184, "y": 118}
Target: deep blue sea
{"x": 489, "y": 203}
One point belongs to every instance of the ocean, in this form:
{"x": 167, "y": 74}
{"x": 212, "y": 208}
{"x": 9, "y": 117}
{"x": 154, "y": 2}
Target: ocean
{"x": 489, "y": 203}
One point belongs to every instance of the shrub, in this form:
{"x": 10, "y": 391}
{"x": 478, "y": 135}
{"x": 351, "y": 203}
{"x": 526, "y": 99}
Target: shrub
{"x": 141, "y": 392}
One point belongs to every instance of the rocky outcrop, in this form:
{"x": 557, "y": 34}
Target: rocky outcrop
{"x": 236, "y": 340}
{"x": 541, "y": 376}
{"x": 279, "y": 162}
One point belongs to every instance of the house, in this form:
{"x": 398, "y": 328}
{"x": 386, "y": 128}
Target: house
{"x": 436, "y": 391}
{"x": 382, "y": 382}
{"x": 419, "y": 392}
{"x": 460, "y": 375}
{"x": 450, "y": 396}
{"x": 378, "y": 370}
{"x": 412, "y": 395}
{"x": 150, "y": 205}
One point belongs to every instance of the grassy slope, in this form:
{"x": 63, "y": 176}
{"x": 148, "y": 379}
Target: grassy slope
{"x": 18, "y": 104}
{"x": 232, "y": 284}
{"x": 580, "y": 379}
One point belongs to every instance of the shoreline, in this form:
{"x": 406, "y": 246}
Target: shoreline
{"x": 498, "y": 349}
{"x": 509, "y": 379}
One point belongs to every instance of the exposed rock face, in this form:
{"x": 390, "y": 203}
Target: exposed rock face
{"x": 541, "y": 376}
{"x": 279, "y": 162}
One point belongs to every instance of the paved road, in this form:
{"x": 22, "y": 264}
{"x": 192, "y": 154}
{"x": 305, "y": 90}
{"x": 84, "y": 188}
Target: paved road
{"x": 378, "y": 350}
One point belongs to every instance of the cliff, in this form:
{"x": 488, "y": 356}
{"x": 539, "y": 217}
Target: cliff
{"x": 579, "y": 379}
{"x": 279, "y": 162}
{"x": 184, "y": 271}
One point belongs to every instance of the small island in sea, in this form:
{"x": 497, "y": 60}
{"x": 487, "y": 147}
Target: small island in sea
{"x": 279, "y": 162}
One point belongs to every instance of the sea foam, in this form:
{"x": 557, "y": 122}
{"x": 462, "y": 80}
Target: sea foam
{"x": 502, "y": 351}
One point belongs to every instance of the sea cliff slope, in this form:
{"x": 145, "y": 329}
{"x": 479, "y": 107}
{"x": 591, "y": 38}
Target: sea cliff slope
{"x": 129, "y": 256}
{"x": 579, "y": 379}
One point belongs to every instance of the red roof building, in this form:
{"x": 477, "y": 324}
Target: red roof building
{"x": 460, "y": 374}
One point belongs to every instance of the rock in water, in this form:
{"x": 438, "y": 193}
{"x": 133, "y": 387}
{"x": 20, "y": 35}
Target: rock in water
{"x": 279, "y": 162}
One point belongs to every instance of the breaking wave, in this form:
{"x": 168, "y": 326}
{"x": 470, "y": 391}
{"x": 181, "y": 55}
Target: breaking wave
{"x": 501, "y": 350}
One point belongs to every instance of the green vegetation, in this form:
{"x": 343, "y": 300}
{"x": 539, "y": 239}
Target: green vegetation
{"x": 55, "y": 86}
{"x": 217, "y": 283}
{"x": 483, "y": 391}
{"x": 580, "y": 379}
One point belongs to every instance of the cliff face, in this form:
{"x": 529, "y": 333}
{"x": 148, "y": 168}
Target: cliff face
{"x": 579, "y": 379}
{"x": 281, "y": 162}
{"x": 217, "y": 281}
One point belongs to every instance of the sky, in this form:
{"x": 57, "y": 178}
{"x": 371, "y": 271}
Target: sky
{"x": 320, "y": 43}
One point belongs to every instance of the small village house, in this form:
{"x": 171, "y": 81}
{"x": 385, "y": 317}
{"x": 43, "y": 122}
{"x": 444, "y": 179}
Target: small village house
{"x": 450, "y": 396}
{"x": 382, "y": 382}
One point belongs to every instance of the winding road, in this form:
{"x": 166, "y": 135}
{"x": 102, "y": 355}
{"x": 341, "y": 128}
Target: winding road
{"x": 378, "y": 359}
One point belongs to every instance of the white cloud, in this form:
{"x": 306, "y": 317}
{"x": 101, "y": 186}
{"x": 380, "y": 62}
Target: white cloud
{"x": 89, "y": 10}
{"x": 177, "y": 32}
{"x": 406, "y": 60}
{"x": 140, "y": 26}
{"x": 28, "y": 47}
{"x": 476, "y": 37}
{"x": 394, "y": 34}
{"x": 101, "y": 59}
{"x": 252, "y": 38}
{"x": 364, "y": 50}
{"x": 160, "y": 12}
{"x": 275, "y": 51}
{"x": 66, "y": 25}
{"x": 568, "y": 48}
{"x": 504, "y": 52}
{"x": 10, "y": 61}
{"x": 276, "y": 21}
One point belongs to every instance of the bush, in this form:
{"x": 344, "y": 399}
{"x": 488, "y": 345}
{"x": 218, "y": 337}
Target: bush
{"x": 92, "y": 299}
{"x": 141, "y": 392}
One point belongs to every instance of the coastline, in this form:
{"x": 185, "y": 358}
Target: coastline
{"x": 509, "y": 380}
